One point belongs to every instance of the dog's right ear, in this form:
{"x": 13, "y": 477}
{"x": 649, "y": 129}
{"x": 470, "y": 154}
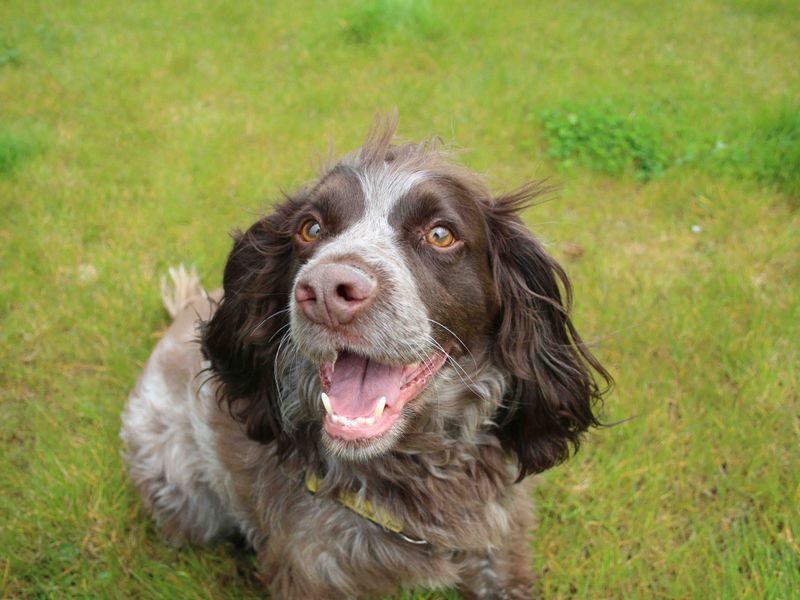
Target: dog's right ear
{"x": 553, "y": 385}
{"x": 242, "y": 338}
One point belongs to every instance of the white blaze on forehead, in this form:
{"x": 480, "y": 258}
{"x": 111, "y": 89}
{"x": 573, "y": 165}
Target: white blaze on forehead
{"x": 371, "y": 234}
{"x": 372, "y": 239}
{"x": 384, "y": 187}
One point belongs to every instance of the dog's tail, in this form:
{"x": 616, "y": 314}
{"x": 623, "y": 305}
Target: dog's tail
{"x": 184, "y": 285}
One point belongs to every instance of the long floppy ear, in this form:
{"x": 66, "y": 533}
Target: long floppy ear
{"x": 552, "y": 389}
{"x": 242, "y": 339}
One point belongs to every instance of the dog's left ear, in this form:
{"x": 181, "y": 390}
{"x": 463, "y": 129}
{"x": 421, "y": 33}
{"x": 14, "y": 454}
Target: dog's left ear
{"x": 552, "y": 389}
{"x": 243, "y": 338}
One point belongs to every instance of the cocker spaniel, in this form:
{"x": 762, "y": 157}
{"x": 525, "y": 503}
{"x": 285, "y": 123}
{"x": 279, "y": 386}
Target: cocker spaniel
{"x": 390, "y": 357}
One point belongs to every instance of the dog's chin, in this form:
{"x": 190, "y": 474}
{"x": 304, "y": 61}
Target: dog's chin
{"x": 360, "y": 450}
{"x": 366, "y": 404}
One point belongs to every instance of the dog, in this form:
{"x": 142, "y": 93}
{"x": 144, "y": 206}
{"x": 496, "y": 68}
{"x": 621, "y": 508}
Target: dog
{"x": 390, "y": 357}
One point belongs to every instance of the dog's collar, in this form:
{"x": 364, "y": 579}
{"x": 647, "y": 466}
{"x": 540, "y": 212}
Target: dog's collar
{"x": 366, "y": 509}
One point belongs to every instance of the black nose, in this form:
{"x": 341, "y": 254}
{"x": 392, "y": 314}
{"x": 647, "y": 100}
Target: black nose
{"x": 333, "y": 294}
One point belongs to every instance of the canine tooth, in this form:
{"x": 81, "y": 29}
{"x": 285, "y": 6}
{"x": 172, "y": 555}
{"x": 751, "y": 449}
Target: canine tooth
{"x": 379, "y": 407}
{"x": 326, "y": 402}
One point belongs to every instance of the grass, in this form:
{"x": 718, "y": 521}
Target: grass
{"x": 773, "y": 152}
{"x": 157, "y": 128}
{"x": 15, "y": 149}
{"x": 383, "y": 20}
{"x": 595, "y": 137}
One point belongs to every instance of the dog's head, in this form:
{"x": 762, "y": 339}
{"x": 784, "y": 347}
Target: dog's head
{"x": 397, "y": 296}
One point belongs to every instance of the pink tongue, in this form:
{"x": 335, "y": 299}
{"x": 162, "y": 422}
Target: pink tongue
{"x": 357, "y": 383}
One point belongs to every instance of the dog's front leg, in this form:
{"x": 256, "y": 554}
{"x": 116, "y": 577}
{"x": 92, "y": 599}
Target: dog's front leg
{"x": 479, "y": 579}
{"x": 505, "y": 574}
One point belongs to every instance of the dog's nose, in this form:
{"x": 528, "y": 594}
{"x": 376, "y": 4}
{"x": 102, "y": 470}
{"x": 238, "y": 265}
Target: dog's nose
{"x": 332, "y": 294}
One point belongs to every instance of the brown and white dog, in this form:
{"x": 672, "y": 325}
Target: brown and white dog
{"x": 391, "y": 355}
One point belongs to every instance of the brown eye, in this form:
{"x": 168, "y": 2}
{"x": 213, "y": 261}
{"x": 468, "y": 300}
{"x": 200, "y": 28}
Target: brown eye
{"x": 441, "y": 237}
{"x": 310, "y": 230}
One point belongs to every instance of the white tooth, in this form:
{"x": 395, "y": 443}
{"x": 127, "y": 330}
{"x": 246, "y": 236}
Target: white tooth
{"x": 326, "y": 402}
{"x": 379, "y": 407}
{"x": 369, "y": 420}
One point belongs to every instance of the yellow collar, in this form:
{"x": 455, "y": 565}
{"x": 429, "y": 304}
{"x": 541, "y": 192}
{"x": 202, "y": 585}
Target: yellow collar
{"x": 365, "y": 508}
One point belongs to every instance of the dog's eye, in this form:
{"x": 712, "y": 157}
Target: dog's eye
{"x": 310, "y": 230}
{"x": 441, "y": 237}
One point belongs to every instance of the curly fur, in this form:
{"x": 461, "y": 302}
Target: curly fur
{"x": 220, "y": 435}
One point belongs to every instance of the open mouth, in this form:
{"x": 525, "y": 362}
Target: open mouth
{"x": 363, "y": 398}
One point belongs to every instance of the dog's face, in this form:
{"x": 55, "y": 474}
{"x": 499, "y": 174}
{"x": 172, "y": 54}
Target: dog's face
{"x": 393, "y": 284}
{"x": 396, "y": 295}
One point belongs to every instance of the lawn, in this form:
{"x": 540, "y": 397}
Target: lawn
{"x": 134, "y": 136}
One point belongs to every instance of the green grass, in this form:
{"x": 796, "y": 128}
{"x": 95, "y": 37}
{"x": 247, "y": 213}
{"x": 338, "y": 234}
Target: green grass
{"x": 772, "y": 153}
{"x": 156, "y": 128}
{"x": 596, "y": 137}
{"x": 15, "y": 148}
{"x": 381, "y": 20}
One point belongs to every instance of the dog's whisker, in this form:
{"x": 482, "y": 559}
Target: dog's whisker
{"x": 458, "y": 339}
{"x": 279, "y": 331}
{"x": 276, "y": 362}
{"x": 421, "y": 355}
{"x": 457, "y": 367}
{"x": 264, "y": 321}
